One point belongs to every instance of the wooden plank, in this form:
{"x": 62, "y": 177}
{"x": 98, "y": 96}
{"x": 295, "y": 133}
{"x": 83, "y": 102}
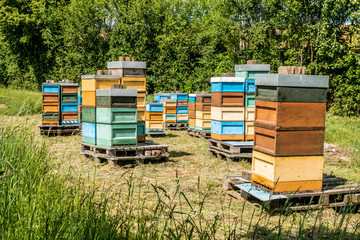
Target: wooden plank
{"x": 227, "y": 137}
{"x": 154, "y": 116}
{"x": 50, "y": 97}
{"x": 199, "y": 106}
{"x": 205, "y": 115}
{"x": 289, "y": 142}
{"x": 228, "y": 113}
{"x": 138, "y": 83}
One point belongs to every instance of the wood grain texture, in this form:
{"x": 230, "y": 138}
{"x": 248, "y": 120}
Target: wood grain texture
{"x": 249, "y": 114}
{"x": 154, "y": 124}
{"x": 203, "y": 123}
{"x": 203, "y": 99}
{"x": 69, "y": 89}
{"x": 290, "y": 115}
{"x": 50, "y": 97}
{"x": 154, "y": 116}
{"x": 228, "y": 113}
{"x": 227, "y": 99}
{"x": 169, "y": 110}
{"x": 89, "y": 98}
{"x": 291, "y": 94}
{"x": 50, "y": 107}
{"x": 227, "y": 137}
{"x": 141, "y": 100}
{"x": 289, "y": 142}
{"x": 206, "y": 115}
{"x": 90, "y": 85}
{"x": 203, "y": 106}
{"x": 138, "y": 83}
{"x": 192, "y": 114}
{"x": 67, "y": 116}
{"x": 192, "y": 106}
{"x": 192, "y": 122}
{"x": 141, "y": 117}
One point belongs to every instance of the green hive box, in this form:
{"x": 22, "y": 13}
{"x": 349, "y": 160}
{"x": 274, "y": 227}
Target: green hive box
{"x": 249, "y": 74}
{"x": 88, "y": 114}
{"x": 141, "y": 129}
{"x": 114, "y": 136}
{"x": 116, "y": 115}
{"x": 169, "y": 117}
{"x": 250, "y": 100}
{"x": 113, "y": 101}
{"x": 69, "y": 97}
{"x": 50, "y": 116}
{"x": 291, "y": 94}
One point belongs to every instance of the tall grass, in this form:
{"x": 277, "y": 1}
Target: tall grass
{"x": 19, "y": 102}
{"x": 39, "y": 202}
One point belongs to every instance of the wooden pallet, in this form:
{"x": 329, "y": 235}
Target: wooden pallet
{"x": 156, "y": 134}
{"x": 176, "y": 126}
{"x": 144, "y": 152}
{"x": 199, "y": 134}
{"x": 336, "y": 193}
{"x": 230, "y": 150}
{"x": 59, "y": 129}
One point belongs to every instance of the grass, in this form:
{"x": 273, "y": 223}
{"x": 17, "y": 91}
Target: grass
{"x": 19, "y": 102}
{"x": 56, "y": 193}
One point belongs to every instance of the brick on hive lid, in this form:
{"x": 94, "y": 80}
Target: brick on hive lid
{"x": 253, "y": 62}
{"x": 117, "y": 86}
{"x": 103, "y": 72}
{"x": 230, "y": 74}
{"x": 50, "y": 81}
{"x": 292, "y": 70}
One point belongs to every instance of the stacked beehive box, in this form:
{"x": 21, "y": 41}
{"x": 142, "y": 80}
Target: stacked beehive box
{"x": 248, "y": 71}
{"x": 51, "y": 104}
{"x": 79, "y": 94}
{"x": 116, "y": 117}
{"x": 161, "y": 96}
{"x": 182, "y": 111}
{"x": 154, "y": 117}
{"x": 132, "y": 74}
{"x": 69, "y": 104}
{"x": 169, "y": 110}
{"x": 192, "y": 111}
{"x": 90, "y": 83}
{"x": 289, "y": 132}
{"x": 227, "y": 108}
{"x": 203, "y": 112}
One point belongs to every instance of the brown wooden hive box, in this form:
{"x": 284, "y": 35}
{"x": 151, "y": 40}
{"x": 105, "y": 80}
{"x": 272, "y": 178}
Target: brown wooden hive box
{"x": 227, "y": 99}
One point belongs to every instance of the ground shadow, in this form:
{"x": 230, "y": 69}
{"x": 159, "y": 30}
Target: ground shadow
{"x": 176, "y": 154}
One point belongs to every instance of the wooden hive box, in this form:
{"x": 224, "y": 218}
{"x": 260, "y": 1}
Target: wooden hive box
{"x": 228, "y": 84}
{"x": 88, "y": 114}
{"x": 182, "y": 118}
{"x": 116, "y": 115}
{"x": 51, "y": 88}
{"x": 155, "y": 107}
{"x": 168, "y": 102}
{"x": 69, "y": 107}
{"x": 154, "y": 116}
{"x": 68, "y": 116}
{"x": 192, "y": 114}
{"x": 220, "y": 137}
{"x": 169, "y": 118}
{"x": 203, "y": 98}
{"x": 291, "y": 88}
{"x": 89, "y": 133}
{"x": 289, "y": 142}
{"x": 203, "y": 124}
{"x": 249, "y": 71}
{"x": 169, "y": 110}
{"x": 287, "y": 174}
{"x": 112, "y": 136}
{"x": 50, "y": 97}
{"x": 192, "y": 98}
{"x": 227, "y": 113}
{"x": 192, "y": 106}
{"x": 89, "y": 99}
{"x": 202, "y": 106}
{"x": 141, "y": 129}
{"x": 192, "y": 122}
{"x": 89, "y": 83}
{"x": 138, "y": 83}
{"x": 249, "y": 131}
{"x": 50, "y": 116}
{"x": 250, "y": 86}
{"x": 250, "y": 100}
{"x": 249, "y": 114}
{"x": 290, "y": 115}
{"x": 206, "y": 115}
{"x": 228, "y": 128}
{"x": 115, "y": 98}
{"x": 127, "y": 68}
{"x": 141, "y": 100}
{"x": 69, "y": 88}
{"x": 50, "y": 107}
{"x": 69, "y": 97}
{"x": 141, "y": 114}
{"x": 182, "y": 110}
{"x": 179, "y": 96}
{"x": 50, "y": 122}
{"x": 227, "y": 99}
{"x": 154, "y": 126}
{"x": 181, "y": 103}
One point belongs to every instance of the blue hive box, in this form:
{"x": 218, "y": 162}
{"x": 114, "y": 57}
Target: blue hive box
{"x": 182, "y": 110}
{"x": 228, "y": 84}
{"x": 179, "y": 96}
{"x": 250, "y": 86}
{"x": 50, "y": 88}
{"x": 154, "y": 107}
{"x": 69, "y": 107}
{"x": 89, "y": 133}
{"x": 228, "y": 128}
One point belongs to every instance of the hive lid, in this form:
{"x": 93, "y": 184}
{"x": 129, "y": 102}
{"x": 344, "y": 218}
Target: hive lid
{"x": 167, "y": 100}
{"x": 50, "y": 84}
{"x": 69, "y": 84}
{"x": 162, "y": 94}
{"x": 179, "y": 94}
{"x": 292, "y": 80}
{"x": 155, "y": 103}
{"x": 228, "y": 79}
{"x": 252, "y": 67}
{"x": 116, "y": 92}
{"x": 100, "y": 77}
{"x": 193, "y": 95}
{"x": 126, "y": 64}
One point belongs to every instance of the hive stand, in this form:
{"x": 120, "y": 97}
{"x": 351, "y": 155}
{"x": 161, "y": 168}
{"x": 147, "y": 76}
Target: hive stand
{"x": 176, "y": 126}
{"x": 231, "y": 150}
{"x": 156, "y": 134}
{"x": 336, "y": 193}
{"x": 144, "y": 152}
{"x": 199, "y": 134}
{"x": 59, "y": 129}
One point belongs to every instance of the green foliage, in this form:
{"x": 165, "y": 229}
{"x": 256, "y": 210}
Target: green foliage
{"x": 184, "y": 43}
{"x": 19, "y": 102}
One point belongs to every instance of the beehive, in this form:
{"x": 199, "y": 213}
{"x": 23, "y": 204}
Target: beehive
{"x": 192, "y": 111}
{"x": 289, "y": 135}
{"x": 154, "y": 117}
{"x": 51, "y": 104}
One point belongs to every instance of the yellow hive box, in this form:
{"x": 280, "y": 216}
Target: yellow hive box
{"x": 154, "y": 124}
{"x": 92, "y": 82}
{"x": 182, "y": 117}
{"x": 228, "y": 113}
{"x": 141, "y": 100}
{"x": 201, "y": 123}
{"x": 249, "y": 131}
{"x": 250, "y": 114}
{"x": 203, "y": 115}
{"x": 50, "y": 107}
{"x": 169, "y": 110}
{"x": 192, "y": 122}
{"x": 89, "y": 99}
{"x": 169, "y": 104}
{"x": 141, "y": 113}
{"x": 138, "y": 83}
{"x": 154, "y": 116}
{"x": 288, "y": 174}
